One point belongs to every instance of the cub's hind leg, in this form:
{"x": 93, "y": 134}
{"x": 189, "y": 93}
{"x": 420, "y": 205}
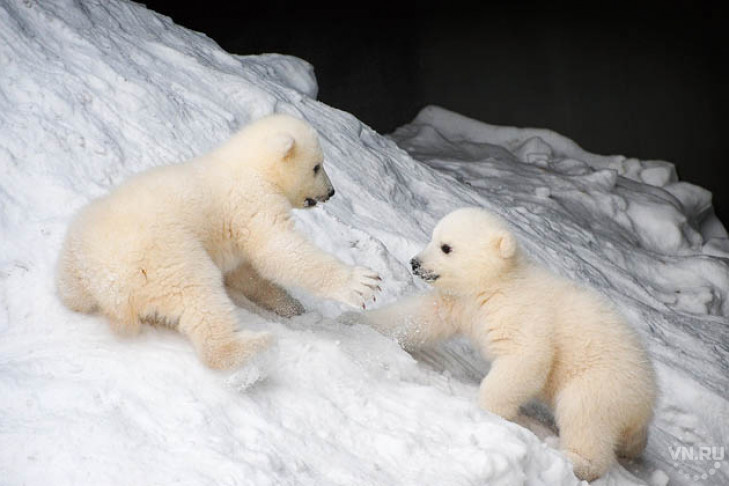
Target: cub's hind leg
{"x": 633, "y": 442}
{"x": 587, "y": 430}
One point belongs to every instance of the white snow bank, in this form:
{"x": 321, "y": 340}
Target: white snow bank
{"x": 687, "y": 218}
{"x": 94, "y": 91}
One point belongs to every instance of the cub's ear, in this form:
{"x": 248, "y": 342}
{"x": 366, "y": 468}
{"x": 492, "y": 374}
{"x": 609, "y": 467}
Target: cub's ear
{"x": 505, "y": 244}
{"x": 283, "y": 145}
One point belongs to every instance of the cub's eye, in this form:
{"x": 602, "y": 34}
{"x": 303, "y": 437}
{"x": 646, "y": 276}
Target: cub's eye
{"x": 317, "y": 167}
{"x": 445, "y": 249}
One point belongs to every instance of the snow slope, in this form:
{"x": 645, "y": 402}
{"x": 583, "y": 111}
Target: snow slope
{"x": 94, "y": 91}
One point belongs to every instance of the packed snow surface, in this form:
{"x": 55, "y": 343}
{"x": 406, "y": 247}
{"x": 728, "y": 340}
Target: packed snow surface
{"x": 92, "y": 92}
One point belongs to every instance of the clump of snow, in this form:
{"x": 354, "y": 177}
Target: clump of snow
{"x": 255, "y": 370}
{"x": 95, "y": 91}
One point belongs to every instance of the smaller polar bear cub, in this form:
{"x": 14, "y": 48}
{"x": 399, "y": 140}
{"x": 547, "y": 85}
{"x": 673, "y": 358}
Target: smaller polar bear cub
{"x": 546, "y": 337}
{"x": 175, "y": 244}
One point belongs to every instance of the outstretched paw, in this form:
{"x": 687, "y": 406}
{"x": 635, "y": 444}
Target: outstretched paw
{"x": 361, "y": 288}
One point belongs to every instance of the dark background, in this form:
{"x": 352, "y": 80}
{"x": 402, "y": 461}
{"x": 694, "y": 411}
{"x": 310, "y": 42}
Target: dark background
{"x": 637, "y": 79}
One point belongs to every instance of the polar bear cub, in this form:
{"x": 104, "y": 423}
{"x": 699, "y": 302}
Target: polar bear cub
{"x": 546, "y": 337}
{"x": 175, "y": 244}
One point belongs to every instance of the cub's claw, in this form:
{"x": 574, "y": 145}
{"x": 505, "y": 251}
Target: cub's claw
{"x": 361, "y": 287}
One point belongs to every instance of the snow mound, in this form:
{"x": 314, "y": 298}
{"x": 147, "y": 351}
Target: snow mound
{"x": 94, "y": 91}
{"x": 609, "y": 197}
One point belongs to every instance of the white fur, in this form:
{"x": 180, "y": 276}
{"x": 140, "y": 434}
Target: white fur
{"x": 175, "y": 244}
{"x": 547, "y": 338}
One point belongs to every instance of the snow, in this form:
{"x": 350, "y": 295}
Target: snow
{"x": 94, "y": 91}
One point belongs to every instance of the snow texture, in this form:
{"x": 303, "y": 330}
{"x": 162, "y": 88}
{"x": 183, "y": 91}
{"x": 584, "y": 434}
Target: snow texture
{"x": 92, "y": 92}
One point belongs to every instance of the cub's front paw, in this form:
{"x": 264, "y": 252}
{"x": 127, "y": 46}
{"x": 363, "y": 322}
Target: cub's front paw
{"x": 488, "y": 401}
{"x": 360, "y": 288}
{"x": 289, "y": 307}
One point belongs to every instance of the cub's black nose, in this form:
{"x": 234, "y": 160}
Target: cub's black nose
{"x": 415, "y": 263}
{"x": 331, "y": 193}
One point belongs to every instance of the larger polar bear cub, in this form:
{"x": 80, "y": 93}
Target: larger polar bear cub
{"x": 547, "y": 338}
{"x": 175, "y": 244}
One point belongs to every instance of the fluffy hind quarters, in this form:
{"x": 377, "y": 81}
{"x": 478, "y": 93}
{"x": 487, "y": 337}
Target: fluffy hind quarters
{"x": 245, "y": 282}
{"x": 592, "y": 425}
{"x": 633, "y": 441}
{"x": 70, "y": 284}
{"x": 182, "y": 291}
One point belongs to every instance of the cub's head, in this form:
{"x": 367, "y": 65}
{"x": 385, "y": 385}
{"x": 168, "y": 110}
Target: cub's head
{"x": 470, "y": 249}
{"x": 285, "y": 151}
